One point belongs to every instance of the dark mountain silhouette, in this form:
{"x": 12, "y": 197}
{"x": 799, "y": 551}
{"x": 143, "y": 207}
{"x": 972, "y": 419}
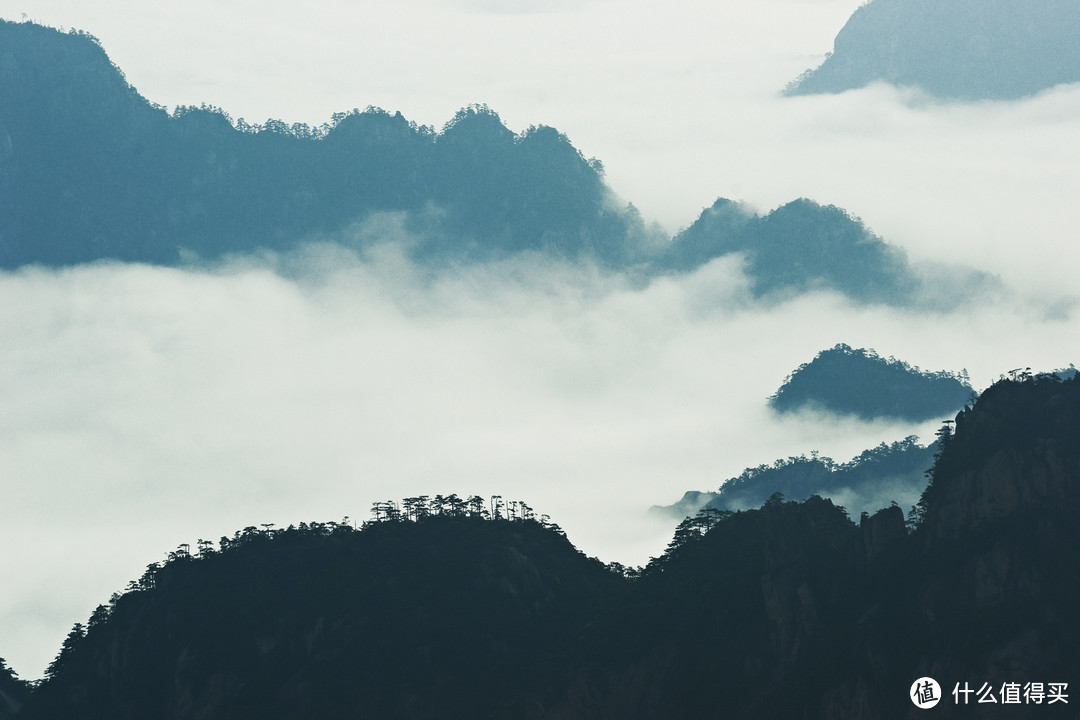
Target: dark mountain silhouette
{"x": 888, "y": 473}
{"x": 89, "y": 169}
{"x": 793, "y": 611}
{"x": 13, "y": 692}
{"x": 448, "y": 615}
{"x": 789, "y": 610}
{"x": 859, "y": 382}
{"x": 963, "y": 49}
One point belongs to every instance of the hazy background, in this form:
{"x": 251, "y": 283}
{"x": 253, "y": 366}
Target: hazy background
{"x": 144, "y": 407}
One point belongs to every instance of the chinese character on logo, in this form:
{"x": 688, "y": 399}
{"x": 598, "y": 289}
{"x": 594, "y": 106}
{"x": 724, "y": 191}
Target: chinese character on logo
{"x": 925, "y": 693}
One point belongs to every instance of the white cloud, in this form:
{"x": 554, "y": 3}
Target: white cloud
{"x": 679, "y": 100}
{"x": 143, "y": 407}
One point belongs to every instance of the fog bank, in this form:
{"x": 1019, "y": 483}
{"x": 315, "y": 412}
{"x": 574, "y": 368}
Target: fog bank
{"x": 144, "y": 407}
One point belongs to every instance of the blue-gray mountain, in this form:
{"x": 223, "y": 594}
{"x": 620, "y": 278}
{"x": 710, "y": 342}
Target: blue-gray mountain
{"x": 856, "y": 382}
{"x": 962, "y": 49}
{"x": 859, "y": 382}
{"x": 91, "y": 170}
{"x": 798, "y": 247}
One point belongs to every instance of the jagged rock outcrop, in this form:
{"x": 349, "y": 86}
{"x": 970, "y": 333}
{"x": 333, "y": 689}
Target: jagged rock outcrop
{"x": 993, "y": 565}
{"x": 880, "y": 532}
{"x": 1014, "y": 454}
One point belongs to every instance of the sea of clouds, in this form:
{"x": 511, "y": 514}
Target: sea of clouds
{"x": 144, "y": 407}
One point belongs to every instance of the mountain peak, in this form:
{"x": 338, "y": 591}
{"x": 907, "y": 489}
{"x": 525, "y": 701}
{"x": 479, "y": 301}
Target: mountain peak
{"x": 962, "y": 49}
{"x": 859, "y": 382}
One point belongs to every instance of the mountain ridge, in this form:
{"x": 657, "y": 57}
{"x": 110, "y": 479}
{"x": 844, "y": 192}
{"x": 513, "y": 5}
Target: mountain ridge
{"x": 893, "y": 472}
{"x": 787, "y": 610}
{"x": 91, "y": 170}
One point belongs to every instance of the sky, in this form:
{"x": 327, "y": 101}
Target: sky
{"x": 145, "y": 407}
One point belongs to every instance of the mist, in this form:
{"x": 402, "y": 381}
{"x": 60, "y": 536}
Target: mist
{"x": 144, "y": 407}
{"x": 680, "y": 101}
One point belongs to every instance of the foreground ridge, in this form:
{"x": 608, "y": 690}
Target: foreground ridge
{"x": 788, "y": 610}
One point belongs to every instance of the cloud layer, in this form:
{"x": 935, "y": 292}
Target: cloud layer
{"x": 679, "y": 100}
{"x": 145, "y": 407}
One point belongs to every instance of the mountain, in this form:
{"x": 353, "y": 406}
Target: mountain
{"x": 13, "y": 692}
{"x": 793, "y": 611}
{"x": 450, "y": 615}
{"x": 798, "y": 247}
{"x": 787, "y": 610}
{"x": 859, "y": 382}
{"x": 996, "y": 542}
{"x": 962, "y": 49}
{"x": 716, "y": 630}
{"x": 804, "y": 246}
{"x": 90, "y": 170}
{"x": 888, "y": 473}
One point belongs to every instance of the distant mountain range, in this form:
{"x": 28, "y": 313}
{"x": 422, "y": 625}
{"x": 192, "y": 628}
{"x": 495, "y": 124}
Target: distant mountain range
{"x": 91, "y": 170}
{"x": 444, "y": 608}
{"x": 962, "y": 49}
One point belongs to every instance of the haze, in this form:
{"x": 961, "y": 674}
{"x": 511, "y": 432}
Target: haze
{"x": 145, "y": 407}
